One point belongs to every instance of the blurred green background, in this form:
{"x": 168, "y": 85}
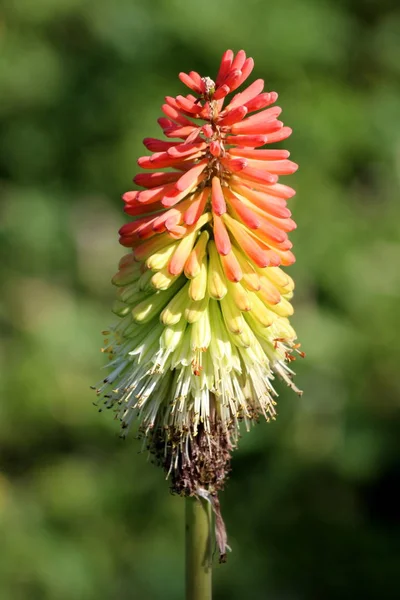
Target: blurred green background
{"x": 311, "y": 504}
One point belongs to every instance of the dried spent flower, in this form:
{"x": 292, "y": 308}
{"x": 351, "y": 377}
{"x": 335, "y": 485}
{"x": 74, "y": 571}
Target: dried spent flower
{"x": 202, "y": 300}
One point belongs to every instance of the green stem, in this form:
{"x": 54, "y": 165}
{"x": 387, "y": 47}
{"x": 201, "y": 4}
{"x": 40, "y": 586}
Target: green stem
{"x": 198, "y": 550}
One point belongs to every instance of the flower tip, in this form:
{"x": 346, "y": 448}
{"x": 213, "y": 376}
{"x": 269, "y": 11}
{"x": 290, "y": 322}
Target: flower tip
{"x": 190, "y": 82}
{"x": 288, "y": 258}
{"x": 221, "y": 92}
{"x": 143, "y": 161}
{"x": 129, "y": 196}
{"x": 137, "y": 179}
{"x": 239, "y": 59}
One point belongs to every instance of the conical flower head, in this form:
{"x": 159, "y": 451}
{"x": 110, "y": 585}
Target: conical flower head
{"x": 204, "y": 305}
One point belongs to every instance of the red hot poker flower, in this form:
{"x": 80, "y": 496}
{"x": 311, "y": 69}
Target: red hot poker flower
{"x": 204, "y": 304}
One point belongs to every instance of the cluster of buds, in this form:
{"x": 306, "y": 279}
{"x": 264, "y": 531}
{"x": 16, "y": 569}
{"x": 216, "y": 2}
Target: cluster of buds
{"x": 202, "y": 300}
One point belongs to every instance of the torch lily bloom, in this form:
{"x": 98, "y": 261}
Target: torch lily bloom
{"x": 204, "y": 305}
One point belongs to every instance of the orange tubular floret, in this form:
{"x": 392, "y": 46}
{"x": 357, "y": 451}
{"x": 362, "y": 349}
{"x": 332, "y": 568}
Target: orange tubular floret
{"x": 217, "y": 197}
{"x": 259, "y": 154}
{"x": 231, "y": 267}
{"x": 225, "y": 66}
{"x": 248, "y": 94}
{"x": 191, "y": 176}
{"x": 251, "y": 247}
{"x": 197, "y": 206}
{"x": 221, "y": 236}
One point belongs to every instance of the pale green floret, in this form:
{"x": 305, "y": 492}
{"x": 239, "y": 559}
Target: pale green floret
{"x": 144, "y": 281}
{"x": 127, "y": 275}
{"x": 153, "y": 304}
{"x": 173, "y": 312}
{"x": 195, "y": 309}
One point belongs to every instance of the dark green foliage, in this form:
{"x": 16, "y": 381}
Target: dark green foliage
{"x": 310, "y": 504}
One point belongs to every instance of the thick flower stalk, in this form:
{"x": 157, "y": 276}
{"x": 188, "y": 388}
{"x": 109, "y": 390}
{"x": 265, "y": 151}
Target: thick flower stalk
{"x": 202, "y": 300}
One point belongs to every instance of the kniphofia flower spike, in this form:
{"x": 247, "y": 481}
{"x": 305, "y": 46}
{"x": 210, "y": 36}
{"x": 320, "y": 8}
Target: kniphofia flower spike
{"x": 202, "y": 299}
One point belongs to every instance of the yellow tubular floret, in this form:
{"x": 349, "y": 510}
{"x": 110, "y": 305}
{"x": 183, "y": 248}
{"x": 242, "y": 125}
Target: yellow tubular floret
{"x": 198, "y": 285}
{"x": 160, "y": 259}
{"x": 239, "y": 295}
{"x": 216, "y": 277}
{"x": 194, "y": 262}
{"x": 232, "y": 315}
